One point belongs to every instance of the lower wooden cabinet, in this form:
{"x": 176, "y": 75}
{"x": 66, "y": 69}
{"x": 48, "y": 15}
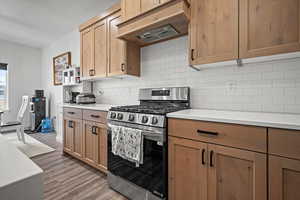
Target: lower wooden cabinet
{"x": 236, "y": 174}
{"x": 86, "y": 140}
{"x": 201, "y": 171}
{"x": 284, "y": 178}
{"x": 95, "y": 144}
{"x": 73, "y": 136}
{"x": 187, "y": 170}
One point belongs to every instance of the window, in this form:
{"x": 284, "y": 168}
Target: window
{"x": 3, "y": 87}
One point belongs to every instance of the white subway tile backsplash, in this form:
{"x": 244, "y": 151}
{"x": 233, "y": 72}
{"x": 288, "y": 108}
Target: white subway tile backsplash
{"x": 264, "y": 87}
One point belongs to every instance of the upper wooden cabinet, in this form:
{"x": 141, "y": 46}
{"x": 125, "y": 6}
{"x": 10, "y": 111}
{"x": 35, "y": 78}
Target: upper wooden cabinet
{"x": 237, "y": 29}
{"x": 130, "y": 8}
{"x": 123, "y": 58}
{"x": 87, "y": 52}
{"x": 100, "y": 38}
{"x": 102, "y": 53}
{"x": 269, "y": 27}
{"x": 213, "y": 31}
{"x": 133, "y": 8}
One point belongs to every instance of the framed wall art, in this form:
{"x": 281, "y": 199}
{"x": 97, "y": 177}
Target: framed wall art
{"x": 59, "y": 64}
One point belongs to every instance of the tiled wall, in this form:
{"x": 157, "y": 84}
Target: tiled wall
{"x": 269, "y": 87}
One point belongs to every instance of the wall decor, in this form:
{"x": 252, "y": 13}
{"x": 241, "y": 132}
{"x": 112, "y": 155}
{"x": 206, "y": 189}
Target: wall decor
{"x": 59, "y": 64}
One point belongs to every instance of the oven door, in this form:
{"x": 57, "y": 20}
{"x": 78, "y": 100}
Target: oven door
{"x": 152, "y": 174}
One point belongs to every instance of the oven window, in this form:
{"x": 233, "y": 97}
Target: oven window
{"x": 149, "y": 175}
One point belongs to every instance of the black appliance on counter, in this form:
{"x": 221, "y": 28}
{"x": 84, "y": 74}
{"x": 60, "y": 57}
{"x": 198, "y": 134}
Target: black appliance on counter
{"x": 73, "y": 96}
{"x": 148, "y": 181}
{"x": 37, "y": 109}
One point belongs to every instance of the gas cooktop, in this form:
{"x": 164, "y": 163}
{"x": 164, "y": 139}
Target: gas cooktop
{"x": 148, "y": 109}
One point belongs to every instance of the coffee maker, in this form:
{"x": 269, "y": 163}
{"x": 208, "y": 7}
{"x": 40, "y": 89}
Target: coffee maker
{"x": 37, "y": 109}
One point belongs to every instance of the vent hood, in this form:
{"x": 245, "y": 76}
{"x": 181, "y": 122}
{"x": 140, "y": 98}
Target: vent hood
{"x": 162, "y": 23}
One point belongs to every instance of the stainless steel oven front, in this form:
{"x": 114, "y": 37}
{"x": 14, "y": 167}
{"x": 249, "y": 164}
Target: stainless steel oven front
{"x": 148, "y": 180}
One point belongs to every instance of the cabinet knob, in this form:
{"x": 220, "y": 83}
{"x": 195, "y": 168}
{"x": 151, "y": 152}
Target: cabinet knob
{"x": 192, "y": 54}
{"x": 123, "y": 67}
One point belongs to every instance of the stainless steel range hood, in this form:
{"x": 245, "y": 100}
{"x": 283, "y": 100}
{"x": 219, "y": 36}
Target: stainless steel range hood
{"x": 166, "y": 22}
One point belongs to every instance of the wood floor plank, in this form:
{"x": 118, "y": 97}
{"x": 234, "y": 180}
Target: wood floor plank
{"x": 66, "y": 178}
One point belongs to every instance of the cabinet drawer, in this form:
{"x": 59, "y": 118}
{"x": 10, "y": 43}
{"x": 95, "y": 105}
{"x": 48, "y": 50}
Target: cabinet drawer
{"x": 73, "y": 113}
{"x": 95, "y": 116}
{"x": 284, "y": 143}
{"x": 239, "y": 136}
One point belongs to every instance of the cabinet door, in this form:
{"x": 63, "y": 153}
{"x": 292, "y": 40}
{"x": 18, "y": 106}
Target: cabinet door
{"x": 90, "y": 143}
{"x": 187, "y": 169}
{"x": 236, "y": 174}
{"x": 117, "y": 48}
{"x": 130, "y": 9}
{"x": 100, "y": 34}
{"x": 87, "y": 52}
{"x": 101, "y": 130}
{"x": 269, "y": 27}
{"x": 149, "y": 4}
{"x": 284, "y": 179}
{"x": 68, "y": 135}
{"x": 213, "y": 31}
{"x": 77, "y": 138}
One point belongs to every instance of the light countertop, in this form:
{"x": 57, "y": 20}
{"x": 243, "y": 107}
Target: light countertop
{"x": 14, "y": 165}
{"x": 270, "y": 120}
{"x": 99, "y": 107}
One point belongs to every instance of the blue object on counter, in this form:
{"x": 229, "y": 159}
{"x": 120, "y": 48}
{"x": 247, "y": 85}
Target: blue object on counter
{"x": 47, "y": 126}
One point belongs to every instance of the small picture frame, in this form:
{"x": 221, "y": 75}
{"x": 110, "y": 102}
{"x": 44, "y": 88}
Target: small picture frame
{"x": 59, "y": 64}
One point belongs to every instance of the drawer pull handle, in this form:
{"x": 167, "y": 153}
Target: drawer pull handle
{"x": 203, "y": 155}
{"x": 211, "y": 158}
{"x": 71, "y": 113}
{"x": 95, "y": 116}
{"x": 207, "y": 132}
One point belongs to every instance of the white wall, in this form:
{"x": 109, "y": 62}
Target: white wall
{"x": 70, "y": 42}
{"x": 24, "y": 65}
{"x": 263, "y": 87}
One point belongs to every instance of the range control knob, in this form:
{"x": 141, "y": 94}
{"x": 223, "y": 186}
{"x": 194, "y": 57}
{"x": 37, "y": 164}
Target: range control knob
{"x": 120, "y": 116}
{"x": 113, "y": 115}
{"x": 154, "y": 120}
{"x": 131, "y": 117}
{"x": 144, "y": 119}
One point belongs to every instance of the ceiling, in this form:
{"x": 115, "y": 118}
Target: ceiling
{"x": 37, "y": 23}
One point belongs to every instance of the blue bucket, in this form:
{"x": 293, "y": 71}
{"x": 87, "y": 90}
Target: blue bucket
{"x": 47, "y": 125}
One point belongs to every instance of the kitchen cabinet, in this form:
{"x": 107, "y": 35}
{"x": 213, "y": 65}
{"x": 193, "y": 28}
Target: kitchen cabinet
{"x": 236, "y": 174}
{"x": 284, "y": 178}
{"x": 100, "y": 38}
{"x": 149, "y": 4}
{"x": 85, "y": 136}
{"x": 213, "y": 31}
{"x": 102, "y": 53}
{"x": 73, "y": 136}
{"x": 124, "y": 58}
{"x": 187, "y": 169}
{"x": 87, "y": 52}
{"x": 130, "y": 9}
{"x": 90, "y": 141}
{"x": 269, "y": 27}
{"x": 239, "y": 29}
{"x": 199, "y": 171}
{"x": 95, "y": 147}
{"x": 133, "y": 8}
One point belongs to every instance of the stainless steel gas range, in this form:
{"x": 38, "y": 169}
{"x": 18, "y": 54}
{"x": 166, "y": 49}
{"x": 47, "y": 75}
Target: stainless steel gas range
{"x": 147, "y": 181}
